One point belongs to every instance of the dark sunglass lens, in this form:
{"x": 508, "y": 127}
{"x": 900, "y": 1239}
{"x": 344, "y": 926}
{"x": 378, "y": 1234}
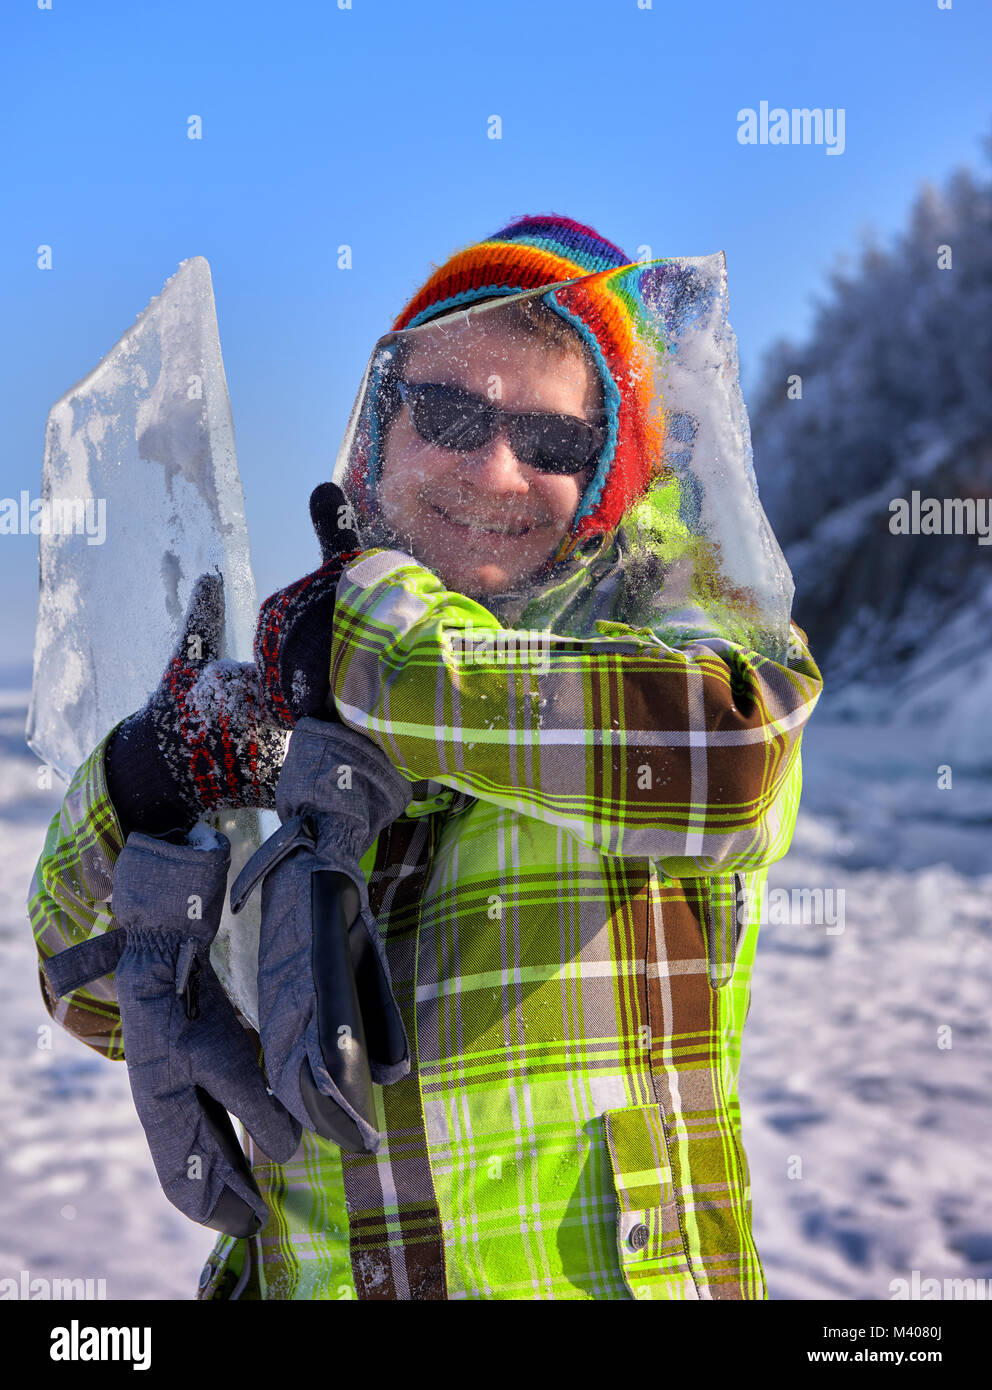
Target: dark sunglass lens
{"x": 449, "y": 417}
{"x": 557, "y": 444}
{"x": 457, "y": 419}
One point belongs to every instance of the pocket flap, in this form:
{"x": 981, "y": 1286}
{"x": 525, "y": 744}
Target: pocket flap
{"x": 650, "y": 1242}
{"x": 639, "y": 1155}
{"x": 727, "y": 903}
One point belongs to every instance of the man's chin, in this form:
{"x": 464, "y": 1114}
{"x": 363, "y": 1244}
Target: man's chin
{"x": 477, "y": 581}
{"x": 461, "y": 574}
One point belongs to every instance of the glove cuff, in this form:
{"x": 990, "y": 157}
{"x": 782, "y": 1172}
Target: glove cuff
{"x": 331, "y": 768}
{"x": 163, "y": 887}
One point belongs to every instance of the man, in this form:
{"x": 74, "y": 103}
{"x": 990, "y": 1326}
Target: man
{"x": 567, "y": 905}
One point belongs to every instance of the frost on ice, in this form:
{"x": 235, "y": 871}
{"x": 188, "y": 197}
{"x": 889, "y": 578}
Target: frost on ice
{"x": 148, "y": 435}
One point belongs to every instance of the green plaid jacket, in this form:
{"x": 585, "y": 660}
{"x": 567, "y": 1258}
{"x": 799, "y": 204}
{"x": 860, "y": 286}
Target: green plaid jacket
{"x": 570, "y": 913}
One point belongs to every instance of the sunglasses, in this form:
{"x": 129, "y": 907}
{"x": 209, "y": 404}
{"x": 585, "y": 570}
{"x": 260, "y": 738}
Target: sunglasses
{"x": 459, "y": 420}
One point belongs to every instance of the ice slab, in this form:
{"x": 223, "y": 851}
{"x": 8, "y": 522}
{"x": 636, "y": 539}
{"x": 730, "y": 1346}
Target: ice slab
{"x": 140, "y": 495}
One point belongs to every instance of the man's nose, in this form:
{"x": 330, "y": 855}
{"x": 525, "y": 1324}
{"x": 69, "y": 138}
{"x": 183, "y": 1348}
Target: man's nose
{"x": 496, "y": 467}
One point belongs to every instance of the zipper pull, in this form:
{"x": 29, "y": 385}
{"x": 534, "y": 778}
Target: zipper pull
{"x": 188, "y": 978}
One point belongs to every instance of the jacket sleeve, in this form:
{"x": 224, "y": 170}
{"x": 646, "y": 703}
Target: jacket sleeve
{"x": 69, "y": 899}
{"x": 690, "y": 755}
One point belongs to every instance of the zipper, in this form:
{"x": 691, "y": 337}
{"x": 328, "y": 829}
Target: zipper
{"x": 721, "y": 967}
{"x": 740, "y": 908}
{"x": 188, "y": 978}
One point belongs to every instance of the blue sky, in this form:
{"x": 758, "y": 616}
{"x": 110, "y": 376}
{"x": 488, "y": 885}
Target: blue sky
{"x": 368, "y": 126}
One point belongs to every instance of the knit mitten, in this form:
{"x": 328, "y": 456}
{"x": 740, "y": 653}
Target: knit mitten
{"x": 293, "y": 637}
{"x": 200, "y": 742}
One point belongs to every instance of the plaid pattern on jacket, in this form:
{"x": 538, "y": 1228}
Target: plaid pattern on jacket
{"x": 570, "y": 914}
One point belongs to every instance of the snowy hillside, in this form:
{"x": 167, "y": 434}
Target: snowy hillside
{"x": 841, "y": 1066}
{"x": 891, "y": 397}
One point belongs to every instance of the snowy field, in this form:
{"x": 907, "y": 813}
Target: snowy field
{"x": 843, "y": 1065}
{"x": 78, "y": 1193}
{"x": 868, "y": 1140}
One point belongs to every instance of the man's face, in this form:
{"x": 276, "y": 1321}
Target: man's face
{"x": 483, "y": 520}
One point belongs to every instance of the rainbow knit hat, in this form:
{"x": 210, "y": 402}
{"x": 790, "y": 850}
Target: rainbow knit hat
{"x": 533, "y": 252}
{"x": 523, "y": 255}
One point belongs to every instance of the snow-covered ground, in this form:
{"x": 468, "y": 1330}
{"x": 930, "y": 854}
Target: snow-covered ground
{"x": 867, "y": 1054}
{"x": 78, "y": 1193}
{"x": 866, "y": 1069}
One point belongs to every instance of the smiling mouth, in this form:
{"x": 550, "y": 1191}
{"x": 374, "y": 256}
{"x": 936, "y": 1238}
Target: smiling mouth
{"x": 478, "y": 527}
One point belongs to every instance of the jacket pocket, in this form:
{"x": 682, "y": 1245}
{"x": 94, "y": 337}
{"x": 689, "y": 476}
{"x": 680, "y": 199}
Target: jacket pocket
{"x": 726, "y": 916}
{"x": 650, "y": 1240}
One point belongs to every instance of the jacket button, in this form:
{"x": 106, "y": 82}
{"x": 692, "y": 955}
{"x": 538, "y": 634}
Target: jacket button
{"x": 638, "y": 1237}
{"x": 206, "y": 1274}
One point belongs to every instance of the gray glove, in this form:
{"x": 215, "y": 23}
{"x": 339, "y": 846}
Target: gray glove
{"x": 329, "y": 1024}
{"x": 188, "y": 1058}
